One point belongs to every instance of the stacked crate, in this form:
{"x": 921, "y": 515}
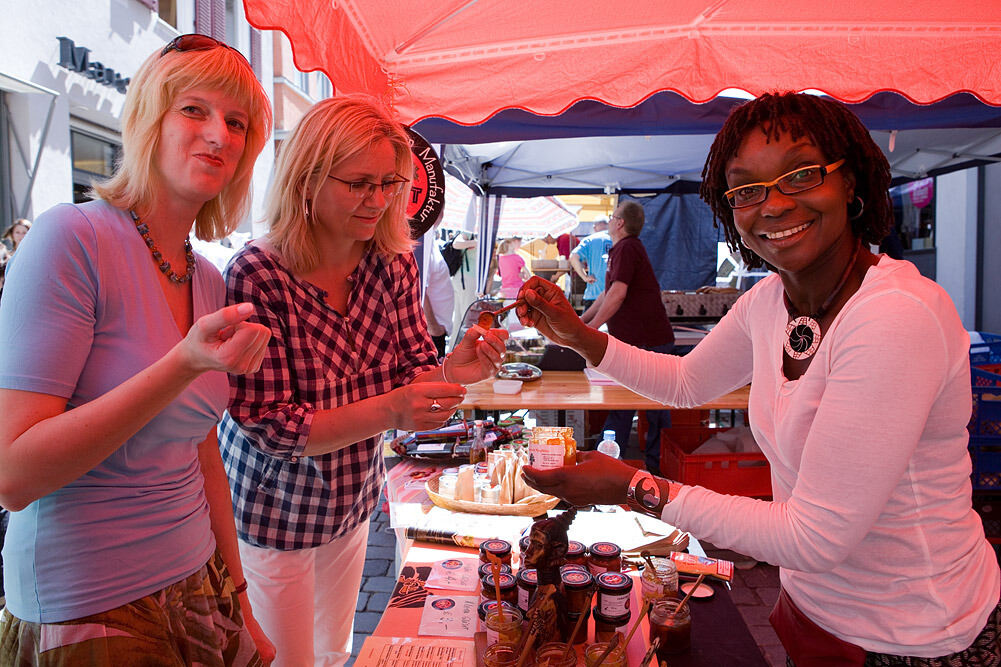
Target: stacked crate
{"x": 985, "y": 434}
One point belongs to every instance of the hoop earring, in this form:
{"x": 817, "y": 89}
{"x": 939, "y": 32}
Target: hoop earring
{"x": 861, "y": 207}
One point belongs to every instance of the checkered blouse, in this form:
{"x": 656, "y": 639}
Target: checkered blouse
{"x": 317, "y": 359}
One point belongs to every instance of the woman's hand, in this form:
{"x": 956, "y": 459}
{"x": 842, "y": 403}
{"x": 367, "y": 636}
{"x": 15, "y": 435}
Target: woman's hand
{"x": 413, "y": 406}
{"x": 477, "y": 356}
{"x": 547, "y": 309}
{"x": 264, "y": 646}
{"x": 225, "y": 341}
{"x": 595, "y": 480}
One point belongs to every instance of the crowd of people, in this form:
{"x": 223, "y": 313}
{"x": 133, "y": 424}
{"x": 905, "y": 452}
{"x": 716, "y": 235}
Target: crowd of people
{"x": 191, "y": 459}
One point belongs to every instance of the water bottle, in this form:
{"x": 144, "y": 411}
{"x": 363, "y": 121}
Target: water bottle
{"x": 608, "y": 446}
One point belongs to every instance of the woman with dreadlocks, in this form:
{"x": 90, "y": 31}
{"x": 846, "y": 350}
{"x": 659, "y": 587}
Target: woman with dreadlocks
{"x": 859, "y": 399}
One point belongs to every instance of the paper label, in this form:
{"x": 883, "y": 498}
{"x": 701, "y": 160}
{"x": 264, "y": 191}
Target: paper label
{"x": 449, "y": 616}
{"x": 612, "y": 606}
{"x": 455, "y": 573}
{"x": 545, "y": 457}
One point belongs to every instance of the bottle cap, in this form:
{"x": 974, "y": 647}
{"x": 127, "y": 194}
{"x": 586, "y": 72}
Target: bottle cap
{"x": 608, "y": 435}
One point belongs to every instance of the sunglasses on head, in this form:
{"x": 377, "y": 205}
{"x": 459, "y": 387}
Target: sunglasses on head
{"x": 197, "y": 42}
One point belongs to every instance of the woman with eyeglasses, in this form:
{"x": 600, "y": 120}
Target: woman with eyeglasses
{"x": 350, "y": 357}
{"x": 860, "y": 396}
{"x": 121, "y": 548}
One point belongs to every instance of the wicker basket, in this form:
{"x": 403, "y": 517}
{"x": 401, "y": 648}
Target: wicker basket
{"x": 513, "y": 509}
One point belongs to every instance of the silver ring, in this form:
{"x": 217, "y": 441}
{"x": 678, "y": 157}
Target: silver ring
{"x": 435, "y": 406}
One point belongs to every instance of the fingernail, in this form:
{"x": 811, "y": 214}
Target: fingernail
{"x": 245, "y": 308}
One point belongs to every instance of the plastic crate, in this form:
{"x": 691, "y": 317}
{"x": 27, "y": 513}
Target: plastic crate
{"x": 986, "y": 352}
{"x": 740, "y": 474}
{"x": 985, "y": 420}
{"x": 986, "y": 456}
{"x": 988, "y": 506}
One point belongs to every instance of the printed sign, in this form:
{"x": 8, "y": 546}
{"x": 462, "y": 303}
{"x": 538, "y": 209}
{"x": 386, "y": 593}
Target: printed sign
{"x": 427, "y": 187}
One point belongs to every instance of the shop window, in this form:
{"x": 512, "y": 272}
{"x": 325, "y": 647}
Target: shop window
{"x": 93, "y": 159}
{"x": 167, "y": 11}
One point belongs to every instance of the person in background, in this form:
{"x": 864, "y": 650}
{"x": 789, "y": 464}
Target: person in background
{"x": 15, "y": 233}
{"x": 590, "y": 261}
{"x": 860, "y": 396}
{"x": 121, "y": 544}
{"x": 439, "y": 295}
{"x": 512, "y": 268}
{"x": 337, "y": 285}
{"x": 632, "y": 308}
{"x": 565, "y": 243}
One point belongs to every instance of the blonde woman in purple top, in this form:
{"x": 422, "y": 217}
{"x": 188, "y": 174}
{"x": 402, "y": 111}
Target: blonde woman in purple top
{"x": 121, "y": 547}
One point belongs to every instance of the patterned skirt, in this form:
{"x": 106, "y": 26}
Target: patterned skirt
{"x": 196, "y": 621}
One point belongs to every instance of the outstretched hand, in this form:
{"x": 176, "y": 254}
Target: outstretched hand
{"x": 595, "y": 480}
{"x": 225, "y": 341}
{"x": 477, "y": 356}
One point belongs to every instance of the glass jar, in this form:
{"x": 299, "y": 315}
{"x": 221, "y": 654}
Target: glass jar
{"x": 605, "y": 628}
{"x": 614, "y": 592}
{"x": 501, "y": 655}
{"x": 528, "y": 581}
{"x": 577, "y": 586}
{"x": 673, "y": 630}
{"x": 660, "y": 581}
{"x": 552, "y": 447}
{"x": 499, "y": 548}
{"x": 447, "y": 482}
{"x": 552, "y": 654}
{"x": 574, "y": 566}
{"x": 486, "y": 606}
{"x": 604, "y": 557}
{"x": 616, "y": 658}
{"x": 508, "y": 588}
{"x": 576, "y": 553}
{"x": 504, "y": 628}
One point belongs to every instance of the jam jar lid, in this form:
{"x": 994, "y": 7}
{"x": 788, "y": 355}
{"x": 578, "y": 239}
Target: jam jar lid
{"x": 505, "y": 580}
{"x": 573, "y": 566}
{"x": 450, "y": 471}
{"x": 487, "y": 605}
{"x": 481, "y": 468}
{"x": 614, "y": 582}
{"x": 577, "y": 579}
{"x": 611, "y": 620}
{"x": 529, "y": 576}
{"x": 499, "y": 548}
{"x": 487, "y": 568}
{"x": 575, "y": 548}
{"x": 605, "y": 550}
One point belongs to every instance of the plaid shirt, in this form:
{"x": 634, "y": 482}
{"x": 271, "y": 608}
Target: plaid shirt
{"x": 317, "y": 359}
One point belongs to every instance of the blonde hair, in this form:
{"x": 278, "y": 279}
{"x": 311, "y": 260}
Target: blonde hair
{"x": 506, "y": 246}
{"x": 151, "y": 93}
{"x": 331, "y": 132}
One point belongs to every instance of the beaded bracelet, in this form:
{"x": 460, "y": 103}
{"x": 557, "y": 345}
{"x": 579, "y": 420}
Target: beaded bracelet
{"x": 242, "y": 588}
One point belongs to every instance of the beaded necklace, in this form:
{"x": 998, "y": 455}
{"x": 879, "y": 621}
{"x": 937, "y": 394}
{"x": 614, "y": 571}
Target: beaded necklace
{"x": 161, "y": 263}
{"x": 803, "y": 331}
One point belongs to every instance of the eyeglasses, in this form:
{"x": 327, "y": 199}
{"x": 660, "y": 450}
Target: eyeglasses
{"x": 365, "y": 189}
{"x": 198, "y": 42}
{"x": 792, "y": 183}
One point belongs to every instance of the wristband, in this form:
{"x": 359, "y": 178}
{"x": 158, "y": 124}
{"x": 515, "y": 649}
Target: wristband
{"x": 242, "y": 588}
{"x": 645, "y": 495}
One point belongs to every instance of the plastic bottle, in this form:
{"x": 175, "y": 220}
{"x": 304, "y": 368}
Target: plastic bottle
{"x": 608, "y": 446}
{"x": 478, "y": 450}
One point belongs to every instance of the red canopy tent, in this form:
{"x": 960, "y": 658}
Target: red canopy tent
{"x": 466, "y": 59}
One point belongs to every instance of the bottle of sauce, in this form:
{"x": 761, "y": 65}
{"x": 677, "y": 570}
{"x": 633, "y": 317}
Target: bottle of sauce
{"x": 478, "y": 450}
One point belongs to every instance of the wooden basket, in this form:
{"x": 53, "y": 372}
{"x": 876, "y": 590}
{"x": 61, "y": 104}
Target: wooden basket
{"x": 512, "y": 509}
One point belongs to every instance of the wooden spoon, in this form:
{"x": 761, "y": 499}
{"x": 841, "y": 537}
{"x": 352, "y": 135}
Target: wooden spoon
{"x": 488, "y": 318}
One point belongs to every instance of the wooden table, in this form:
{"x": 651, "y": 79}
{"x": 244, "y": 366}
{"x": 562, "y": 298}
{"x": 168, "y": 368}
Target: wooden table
{"x": 571, "y": 390}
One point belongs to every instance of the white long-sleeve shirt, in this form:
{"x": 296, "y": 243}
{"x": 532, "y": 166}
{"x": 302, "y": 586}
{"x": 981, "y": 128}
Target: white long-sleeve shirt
{"x": 871, "y": 520}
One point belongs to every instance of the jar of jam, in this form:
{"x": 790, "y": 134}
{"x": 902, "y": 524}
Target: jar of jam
{"x": 605, "y": 627}
{"x": 528, "y": 581}
{"x": 614, "y": 592}
{"x": 615, "y": 658}
{"x": 508, "y": 588}
{"x": 502, "y": 655}
{"x": 574, "y": 566}
{"x": 604, "y": 557}
{"x": 576, "y": 553}
{"x": 554, "y": 654}
{"x": 486, "y": 606}
{"x": 487, "y": 568}
{"x": 660, "y": 581}
{"x": 577, "y": 586}
{"x": 504, "y": 625}
{"x": 499, "y": 548}
{"x": 673, "y": 629}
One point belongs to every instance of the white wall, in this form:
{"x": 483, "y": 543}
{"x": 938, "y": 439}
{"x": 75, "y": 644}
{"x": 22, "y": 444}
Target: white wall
{"x": 991, "y": 280}
{"x": 956, "y": 240}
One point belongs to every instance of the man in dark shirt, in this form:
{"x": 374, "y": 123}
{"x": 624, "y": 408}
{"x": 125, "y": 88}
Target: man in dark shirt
{"x": 632, "y": 307}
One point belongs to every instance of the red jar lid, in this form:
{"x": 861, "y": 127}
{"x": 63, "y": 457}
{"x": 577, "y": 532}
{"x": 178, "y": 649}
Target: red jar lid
{"x": 487, "y": 568}
{"x": 575, "y": 548}
{"x": 614, "y": 582}
{"x": 605, "y": 550}
{"x": 577, "y": 579}
{"x": 505, "y": 581}
{"x": 573, "y": 566}
{"x": 499, "y": 548}
{"x": 487, "y": 605}
{"x": 528, "y": 576}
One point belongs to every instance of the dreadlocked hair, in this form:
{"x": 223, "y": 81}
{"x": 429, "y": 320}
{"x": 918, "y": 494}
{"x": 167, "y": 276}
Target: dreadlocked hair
{"x": 832, "y": 128}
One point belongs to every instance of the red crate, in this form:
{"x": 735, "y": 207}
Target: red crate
{"x": 740, "y": 474}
